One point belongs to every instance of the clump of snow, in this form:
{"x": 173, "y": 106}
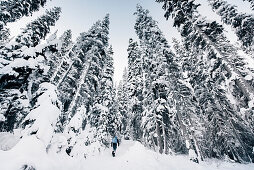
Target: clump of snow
{"x": 76, "y": 121}
{"x": 248, "y": 77}
{"x": 19, "y": 62}
{"x": 8, "y": 141}
{"x": 29, "y": 52}
{"x": 2, "y": 118}
{"x": 45, "y": 115}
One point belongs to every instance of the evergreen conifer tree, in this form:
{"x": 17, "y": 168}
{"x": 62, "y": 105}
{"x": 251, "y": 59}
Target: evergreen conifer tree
{"x": 135, "y": 84}
{"x": 160, "y": 71}
{"x": 122, "y": 97}
{"x": 242, "y": 23}
{"x": 23, "y": 69}
{"x": 12, "y": 10}
{"x": 201, "y": 36}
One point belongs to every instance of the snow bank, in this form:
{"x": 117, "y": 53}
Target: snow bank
{"x": 29, "y": 151}
{"x": 7, "y": 141}
{"x": 129, "y": 156}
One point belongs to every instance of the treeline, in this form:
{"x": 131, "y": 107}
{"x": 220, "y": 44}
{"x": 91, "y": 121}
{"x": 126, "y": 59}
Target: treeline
{"x": 193, "y": 98}
{"x": 197, "y": 98}
{"x": 79, "y": 72}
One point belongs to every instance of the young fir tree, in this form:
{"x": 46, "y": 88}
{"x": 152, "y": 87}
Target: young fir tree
{"x": 212, "y": 88}
{"x": 243, "y": 24}
{"x": 40, "y": 122}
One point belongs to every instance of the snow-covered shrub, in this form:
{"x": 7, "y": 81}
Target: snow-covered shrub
{"x": 41, "y": 121}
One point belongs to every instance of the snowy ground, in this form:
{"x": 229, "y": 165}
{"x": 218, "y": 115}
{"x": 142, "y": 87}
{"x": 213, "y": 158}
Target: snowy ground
{"x": 130, "y": 156}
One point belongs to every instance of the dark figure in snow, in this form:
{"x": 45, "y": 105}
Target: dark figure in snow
{"x": 114, "y": 144}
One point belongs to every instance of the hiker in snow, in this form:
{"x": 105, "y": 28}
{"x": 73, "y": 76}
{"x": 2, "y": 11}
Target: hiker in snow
{"x": 114, "y": 144}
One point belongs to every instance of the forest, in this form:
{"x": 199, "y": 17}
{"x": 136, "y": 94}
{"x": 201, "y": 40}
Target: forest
{"x": 194, "y": 98}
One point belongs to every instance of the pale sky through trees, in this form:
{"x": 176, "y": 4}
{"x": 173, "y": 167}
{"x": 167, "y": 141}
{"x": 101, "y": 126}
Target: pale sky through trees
{"x": 79, "y": 15}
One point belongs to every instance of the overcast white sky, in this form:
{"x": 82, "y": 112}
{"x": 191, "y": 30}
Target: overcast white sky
{"x": 79, "y": 15}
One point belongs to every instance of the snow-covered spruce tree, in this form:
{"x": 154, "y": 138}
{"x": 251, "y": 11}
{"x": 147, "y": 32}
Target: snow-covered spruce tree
{"x": 12, "y": 10}
{"x": 83, "y": 79}
{"x": 106, "y": 121}
{"x": 159, "y": 72}
{"x": 243, "y": 24}
{"x": 217, "y": 120}
{"x": 23, "y": 69}
{"x": 204, "y": 35}
{"x": 200, "y": 35}
{"x": 38, "y": 29}
{"x": 65, "y": 48}
{"x": 208, "y": 36}
{"x": 188, "y": 111}
{"x": 83, "y": 75}
{"x": 54, "y": 52}
{"x": 122, "y": 98}
{"x": 23, "y": 46}
{"x": 134, "y": 90}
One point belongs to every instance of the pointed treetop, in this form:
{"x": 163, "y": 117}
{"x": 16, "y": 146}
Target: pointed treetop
{"x": 140, "y": 10}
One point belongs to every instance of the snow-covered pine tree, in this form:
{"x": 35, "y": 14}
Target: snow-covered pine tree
{"x": 103, "y": 114}
{"x": 207, "y": 36}
{"x": 135, "y": 89}
{"x": 64, "y": 53}
{"x": 12, "y": 10}
{"x": 82, "y": 78}
{"x": 159, "y": 72}
{"x": 23, "y": 69}
{"x": 217, "y": 69}
{"x": 243, "y": 24}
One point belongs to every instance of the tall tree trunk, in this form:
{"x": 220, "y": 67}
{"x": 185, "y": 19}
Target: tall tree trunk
{"x": 66, "y": 73}
{"x": 159, "y": 139}
{"x": 165, "y": 139}
{"x": 75, "y": 98}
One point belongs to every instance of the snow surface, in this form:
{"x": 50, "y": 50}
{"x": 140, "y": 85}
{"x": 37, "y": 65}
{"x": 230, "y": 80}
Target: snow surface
{"x": 129, "y": 156}
{"x": 8, "y": 141}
